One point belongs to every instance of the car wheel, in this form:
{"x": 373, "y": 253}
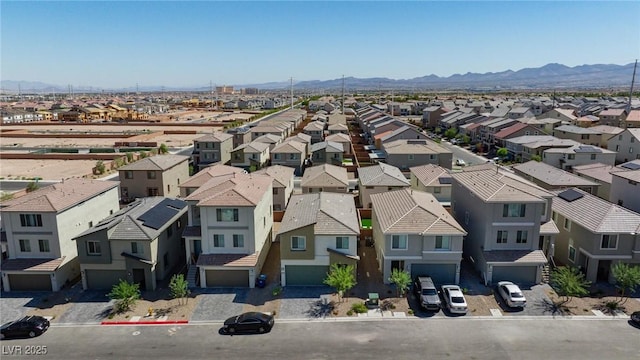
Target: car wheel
{"x": 32, "y": 334}
{"x": 231, "y": 330}
{"x": 261, "y": 329}
{"x": 1, "y": 336}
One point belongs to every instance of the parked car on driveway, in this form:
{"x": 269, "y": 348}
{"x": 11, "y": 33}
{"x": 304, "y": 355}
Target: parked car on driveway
{"x": 511, "y": 294}
{"x": 460, "y": 162}
{"x": 427, "y": 293}
{"x": 635, "y": 318}
{"x": 28, "y": 326}
{"x": 249, "y": 322}
{"x": 454, "y": 299}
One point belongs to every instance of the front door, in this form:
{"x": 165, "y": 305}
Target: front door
{"x": 138, "y": 278}
{"x": 603, "y": 270}
{"x": 397, "y": 264}
{"x": 197, "y": 250}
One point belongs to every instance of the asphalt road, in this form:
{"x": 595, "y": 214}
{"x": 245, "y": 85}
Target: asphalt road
{"x": 384, "y": 339}
{"x": 466, "y": 155}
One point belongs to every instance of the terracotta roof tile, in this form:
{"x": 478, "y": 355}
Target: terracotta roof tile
{"x": 228, "y": 260}
{"x": 40, "y": 265}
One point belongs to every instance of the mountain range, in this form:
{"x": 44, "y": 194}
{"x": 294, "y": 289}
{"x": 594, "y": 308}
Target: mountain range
{"x": 550, "y": 76}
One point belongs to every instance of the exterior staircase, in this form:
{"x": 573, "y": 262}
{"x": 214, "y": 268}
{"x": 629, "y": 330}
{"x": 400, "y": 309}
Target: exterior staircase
{"x": 546, "y": 273}
{"x": 192, "y": 275}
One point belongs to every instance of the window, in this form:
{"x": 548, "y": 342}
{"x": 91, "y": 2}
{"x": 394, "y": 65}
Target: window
{"x": 501, "y": 238}
{"x": 521, "y": 237}
{"x": 25, "y": 245}
{"x": 410, "y": 156}
{"x": 342, "y": 242}
{"x": 135, "y": 249}
{"x": 437, "y": 190}
{"x": 151, "y": 174}
{"x": 298, "y": 243}
{"x": 218, "y": 240}
{"x": 593, "y": 156}
{"x": 93, "y": 248}
{"x": 276, "y": 156}
{"x": 567, "y": 224}
{"x": 633, "y": 139}
{"x": 609, "y": 242}
{"x": 90, "y": 224}
{"x": 227, "y": 214}
{"x": 275, "y": 191}
{"x": 44, "y": 245}
{"x": 31, "y": 220}
{"x": 617, "y": 147}
{"x": 443, "y": 242}
{"x": 399, "y": 242}
{"x": 572, "y": 156}
{"x": 630, "y": 150}
{"x": 513, "y": 210}
{"x": 152, "y": 191}
{"x": 293, "y": 156}
{"x": 466, "y": 217}
{"x": 128, "y": 174}
{"x": 572, "y": 252}
{"x": 238, "y": 240}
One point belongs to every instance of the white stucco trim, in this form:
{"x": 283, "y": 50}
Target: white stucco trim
{"x": 606, "y": 257}
{"x": 512, "y": 224}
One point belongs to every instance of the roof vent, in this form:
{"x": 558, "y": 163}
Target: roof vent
{"x": 570, "y": 195}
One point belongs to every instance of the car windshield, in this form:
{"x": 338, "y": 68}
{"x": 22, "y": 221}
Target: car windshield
{"x": 516, "y": 295}
{"x": 457, "y": 299}
{"x": 429, "y": 292}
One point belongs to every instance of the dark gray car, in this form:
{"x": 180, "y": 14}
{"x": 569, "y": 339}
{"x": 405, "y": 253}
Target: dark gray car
{"x": 427, "y": 293}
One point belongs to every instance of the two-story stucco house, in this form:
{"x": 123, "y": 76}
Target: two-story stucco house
{"x": 567, "y": 158}
{"x": 40, "y": 227}
{"x": 594, "y": 234}
{"x": 413, "y": 232}
{"x": 229, "y": 231}
{"x": 379, "y": 178}
{"x": 158, "y": 175}
{"x": 212, "y": 148}
{"x": 254, "y": 155}
{"x": 433, "y": 179}
{"x": 341, "y": 138}
{"x": 625, "y": 190}
{"x": 325, "y": 177}
{"x": 502, "y": 215}
{"x": 405, "y": 154}
{"x": 626, "y": 144}
{"x": 315, "y": 129}
{"x": 141, "y": 243}
{"x": 317, "y": 230}
{"x": 290, "y": 153}
{"x": 327, "y": 152}
{"x": 282, "y": 184}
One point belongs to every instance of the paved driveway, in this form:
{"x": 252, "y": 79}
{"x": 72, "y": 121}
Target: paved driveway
{"x": 538, "y": 303}
{"x": 16, "y": 304}
{"x": 91, "y": 306}
{"x": 299, "y": 302}
{"x": 219, "y": 303}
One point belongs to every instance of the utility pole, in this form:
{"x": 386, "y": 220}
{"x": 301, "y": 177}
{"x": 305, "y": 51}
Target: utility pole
{"x": 633, "y": 80}
{"x": 291, "y": 79}
{"x": 211, "y": 92}
{"x": 342, "y": 94}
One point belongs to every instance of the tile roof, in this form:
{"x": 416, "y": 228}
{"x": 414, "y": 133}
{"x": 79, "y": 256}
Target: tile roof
{"x": 158, "y": 162}
{"x": 634, "y": 115}
{"x": 130, "y": 223}
{"x": 228, "y": 260}
{"x": 611, "y": 112}
{"x": 515, "y": 256}
{"x": 500, "y": 186}
{"x": 252, "y": 147}
{"x": 381, "y": 174}
{"x": 510, "y": 130}
{"x": 240, "y": 190}
{"x": 302, "y": 137}
{"x": 281, "y": 175}
{"x": 598, "y": 171}
{"x": 404, "y": 146}
{"x": 210, "y": 172}
{"x": 579, "y": 148}
{"x": 328, "y": 146}
{"x": 602, "y": 216}
{"x": 215, "y": 137}
{"x": 325, "y": 175}
{"x": 289, "y": 147}
{"x": 549, "y": 228}
{"x": 429, "y": 174}
{"x": 268, "y": 138}
{"x": 633, "y": 175}
{"x": 338, "y": 137}
{"x": 329, "y": 213}
{"x": 607, "y": 129}
{"x": 551, "y": 175}
{"x": 573, "y": 129}
{"x": 413, "y": 212}
{"x": 30, "y": 264}
{"x": 58, "y": 197}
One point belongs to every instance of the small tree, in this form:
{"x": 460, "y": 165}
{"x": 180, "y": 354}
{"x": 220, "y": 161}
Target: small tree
{"x": 465, "y": 139}
{"x": 502, "y": 153}
{"x": 341, "y": 277}
{"x": 627, "y": 277}
{"x": 129, "y": 156}
{"x": 536, "y": 158}
{"x": 100, "y": 168}
{"x": 163, "y": 149}
{"x": 32, "y": 186}
{"x": 6, "y": 196}
{"x": 143, "y": 154}
{"x": 179, "y": 288}
{"x": 125, "y": 294}
{"x": 402, "y": 280}
{"x": 568, "y": 281}
{"x": 450, "y": 133}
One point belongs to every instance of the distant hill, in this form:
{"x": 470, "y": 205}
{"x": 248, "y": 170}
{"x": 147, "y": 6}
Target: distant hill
{"x": 550, "y": 76}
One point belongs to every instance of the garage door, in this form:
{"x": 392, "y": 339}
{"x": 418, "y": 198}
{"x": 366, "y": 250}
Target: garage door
{"x": 440, "y": 273}
{"x": 227, "y": 278}
{"x": 35, "y": 282}
{"x": 306, "y": 275}
{"x": 104, "y": 279}
{"x": 521, "y": 275}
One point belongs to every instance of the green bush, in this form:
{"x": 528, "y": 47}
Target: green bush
{"x": 359, "y": 308}
{"x": 350, "y": 313}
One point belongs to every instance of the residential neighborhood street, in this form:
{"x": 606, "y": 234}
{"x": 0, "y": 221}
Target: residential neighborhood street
{"x": 401, "y": 339}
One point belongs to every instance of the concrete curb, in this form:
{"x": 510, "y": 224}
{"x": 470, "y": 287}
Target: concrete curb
{"x": 160, "y": 322}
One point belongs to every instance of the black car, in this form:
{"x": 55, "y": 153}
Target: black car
{"x": 635, "y": 318}
{"x": 28, "y": 326}
{"x": 249, "y": 322}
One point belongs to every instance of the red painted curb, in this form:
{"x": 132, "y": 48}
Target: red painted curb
{"x": 144, "y": 322}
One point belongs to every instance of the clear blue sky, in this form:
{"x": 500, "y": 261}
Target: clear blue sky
{"x": 160, "y": 43}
